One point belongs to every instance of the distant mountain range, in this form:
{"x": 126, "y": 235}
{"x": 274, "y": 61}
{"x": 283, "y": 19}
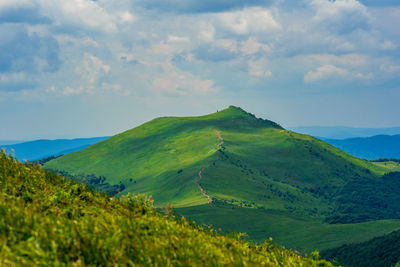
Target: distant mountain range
{"x": 342, "y": 132}
{"x": 38, "y": 149}
{"x": 375, "y": 147}
{"x": 10, "y": 142}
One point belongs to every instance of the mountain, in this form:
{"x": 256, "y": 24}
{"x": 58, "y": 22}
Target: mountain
{"x": 375, "y": 147}
{"x": 341, "y": 132}
{"x": 46, "y": 219}
{"x": 9, "y": 142}
{"x": 38, "y": 149}
{"x": 245, "y": 174}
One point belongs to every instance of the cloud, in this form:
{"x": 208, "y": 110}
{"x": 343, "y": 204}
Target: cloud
{"x": 252, "y": 46}
{"x": 390, "y": 68}
{"x": 388, "y": 45}
{"x": 341, "y": 16}
{"x": 22, "y": 12}
{"x": 258, "y": 68}
{"x": 178, "y": 39}
{"x": 249, "y": 20}
{"x": 92, "y": 68}
{"x": 73, "y": 91}
{"x": 24, "y": 56}
{"x": 220, "y": 50}
{"x": 21, "y": 51}
{"x": 206, "y": 32}
{"x": 176, "y": 82}
{"x": 16, "y": 81}
{"x": 380, "y": 3}
{"x": 204, "y": 6}
{"x": 346, "y": 60}
{"x": 325, "y": 72}
{"x": 66, "y": 16}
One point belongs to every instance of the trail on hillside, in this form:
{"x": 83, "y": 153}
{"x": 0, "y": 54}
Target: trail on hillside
{"x": 220, "y": 138}
{"x": 201, "y": 188}
{"x": 203, "y": 192}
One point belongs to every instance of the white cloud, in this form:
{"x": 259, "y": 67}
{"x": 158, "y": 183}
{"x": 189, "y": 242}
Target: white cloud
{"x": 127, "y": 17}
{"x": 80, "y": 12}
{"x": 258, "y": 68}
{"x": 325, "y": 72}
{"x": 390, "y": 68}
{"x": 342, "y": 16}
{"x": 388, "y": 45}
{"x": 15, "y": 3}
{"x": 73, "y": 91}
{"x": 92, "y": 68}
{"x": 347, "y": 60}
{"x": 68, "y": 39}
{"x": 176, "y": 82}
{"x": 110, "y": 86}
{"x": 251, "y": 46}
{"x": 249, "y": 20}
{"x": 178, "y": 39}
{"x": 16, "y": 81}
{"x": 206, "y": 32}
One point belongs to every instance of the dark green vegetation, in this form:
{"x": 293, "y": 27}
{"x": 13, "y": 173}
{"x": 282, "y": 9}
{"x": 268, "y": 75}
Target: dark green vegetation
{"x": 262, "y": 179}
{"x": 380, "y": 146}
{"x": 365, "y": 199}
{"x": 38, "y": 149}
{"x": 381, "y": 251}
{"x": 97, "y": 183}
{"x": 46, "y": 219}
{"x": 386, "y": 160}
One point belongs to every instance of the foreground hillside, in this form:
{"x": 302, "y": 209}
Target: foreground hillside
{"x": 47, "y": 219}
{"x": 246, "y": 174}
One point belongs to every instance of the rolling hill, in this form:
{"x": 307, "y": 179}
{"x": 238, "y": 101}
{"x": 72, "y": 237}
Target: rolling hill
{"x": 242, "y": 173}
{"x": 47, "y": 220}
{"x": 38, "y": 149}
{"x": 375, "y": 147}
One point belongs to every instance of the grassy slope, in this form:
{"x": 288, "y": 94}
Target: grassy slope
{"x": 380, "y": 251}
{"x": 290, "y": 230}
{"x": 152, "y": 154}
{"x": 389, "y": 165}
{"x": 259, "y": 165}
{"x": 48, "y": 220}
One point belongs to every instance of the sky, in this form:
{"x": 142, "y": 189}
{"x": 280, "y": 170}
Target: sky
{"x": 82, "y": 68}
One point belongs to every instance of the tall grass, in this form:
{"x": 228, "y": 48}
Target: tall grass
{"x": 46, "y": 219}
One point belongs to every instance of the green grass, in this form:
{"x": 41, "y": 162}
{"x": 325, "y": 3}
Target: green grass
{"x": 389, "y": 165}
{"x": 301, "y": 233}
{"x": 153, "y": 153}
{"x": 47, "y": 220}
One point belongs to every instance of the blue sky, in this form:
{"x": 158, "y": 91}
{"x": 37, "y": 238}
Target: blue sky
{"x": 82, "y": 68}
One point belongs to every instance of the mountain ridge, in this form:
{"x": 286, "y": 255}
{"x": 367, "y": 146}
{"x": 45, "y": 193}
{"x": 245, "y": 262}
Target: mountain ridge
{"x": 259, "y": 167}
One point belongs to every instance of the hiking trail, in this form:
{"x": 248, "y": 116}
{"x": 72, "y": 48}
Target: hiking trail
{"x": 203, "y": 192}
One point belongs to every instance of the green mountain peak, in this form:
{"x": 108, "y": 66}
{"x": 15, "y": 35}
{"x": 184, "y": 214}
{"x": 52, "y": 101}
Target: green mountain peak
{"x": 230, "y": 163}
